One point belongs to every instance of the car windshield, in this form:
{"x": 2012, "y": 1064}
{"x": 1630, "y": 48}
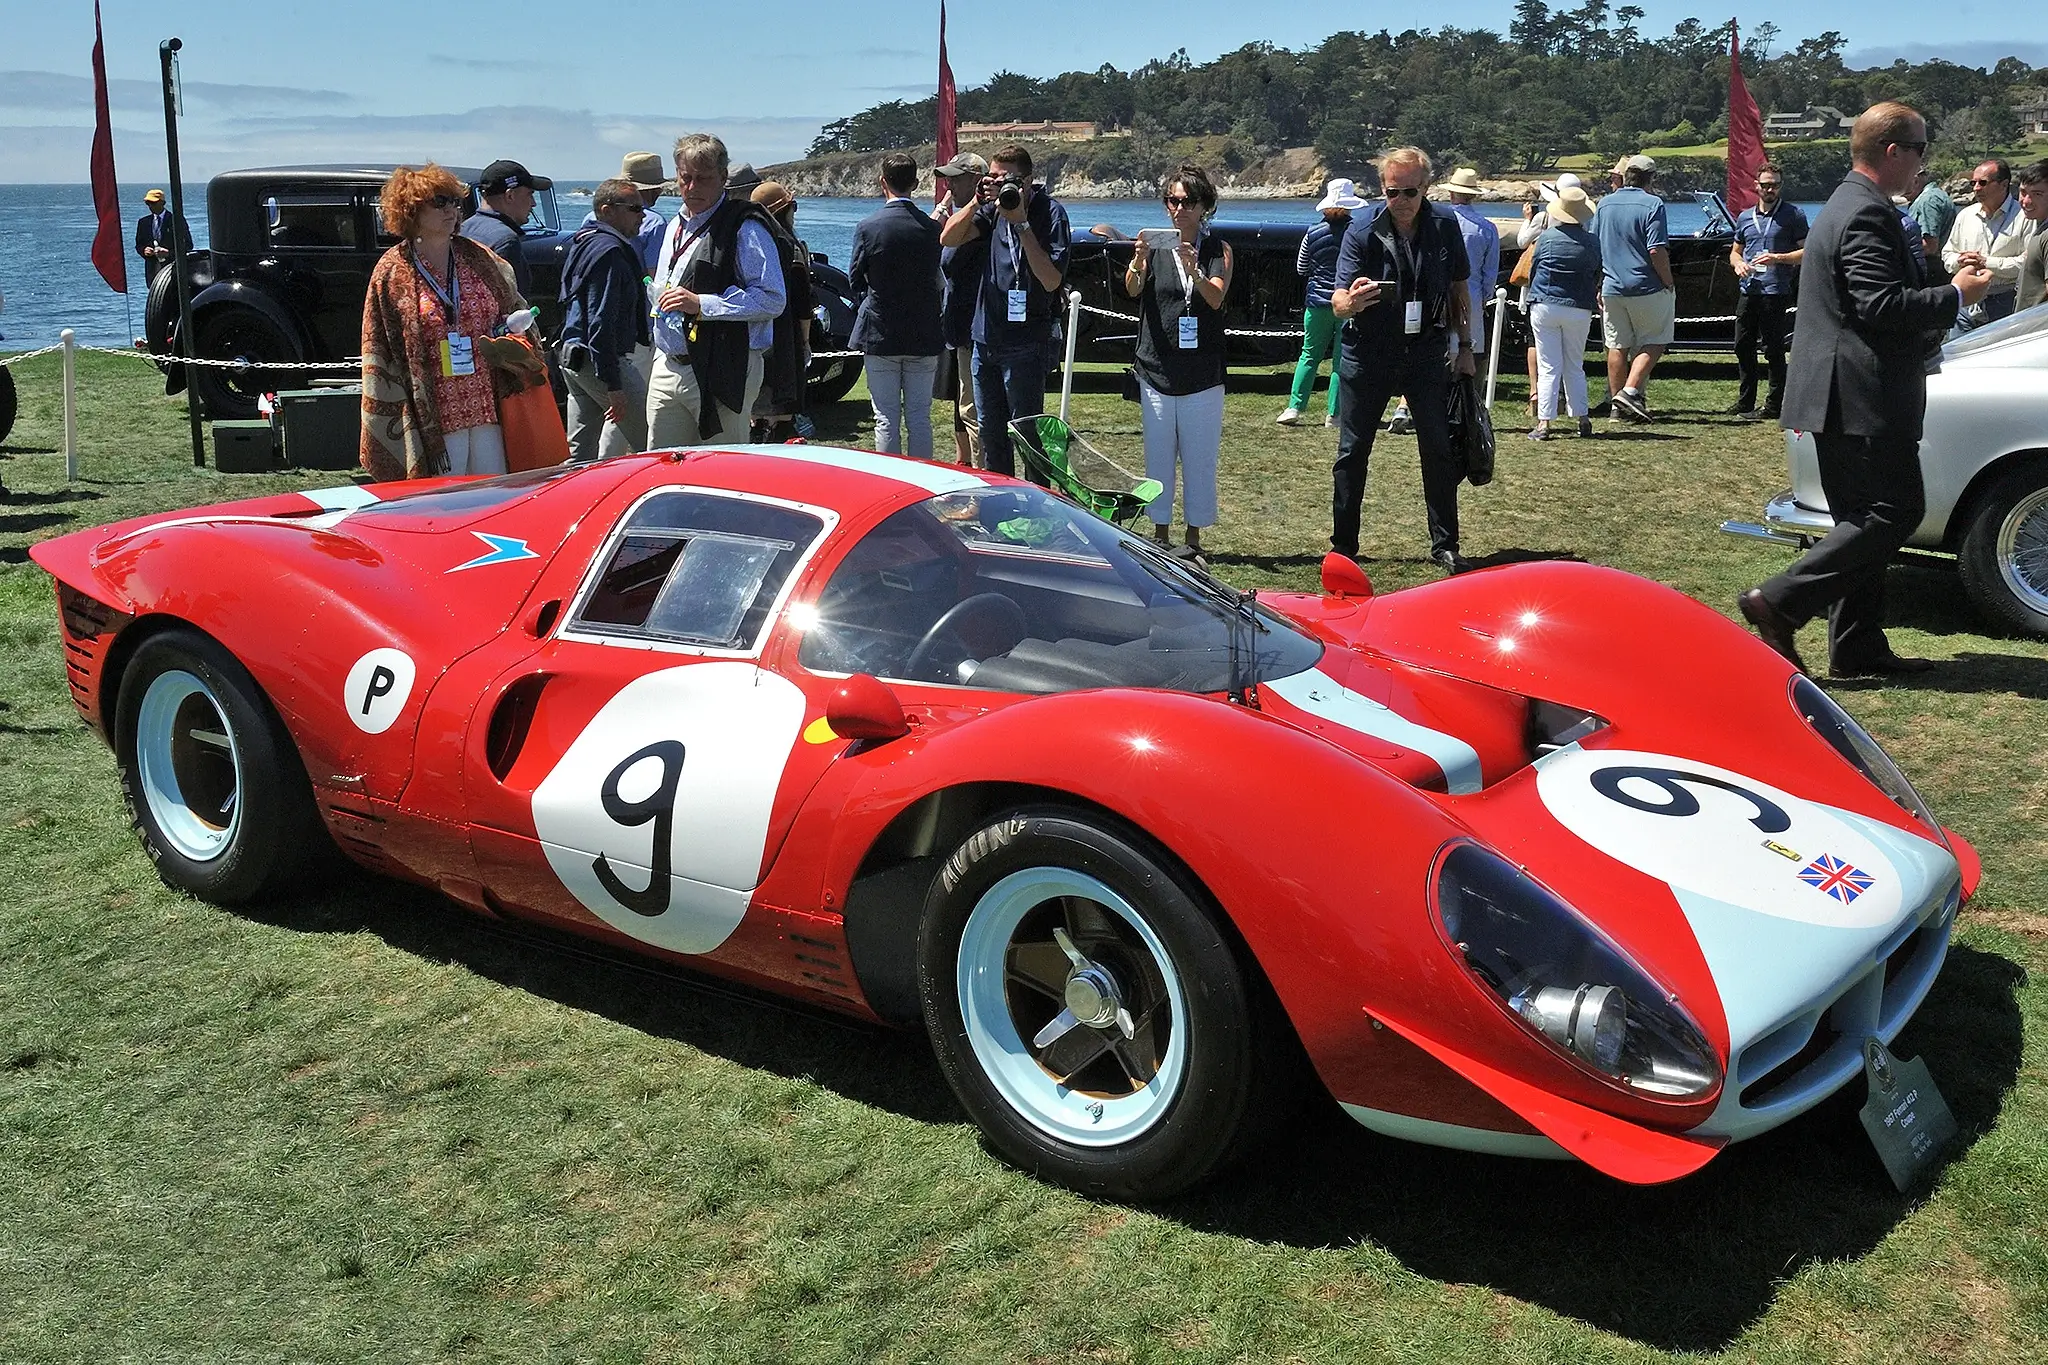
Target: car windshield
{"x": 1015, "y": 590}
{"x": 2030, "y": 322}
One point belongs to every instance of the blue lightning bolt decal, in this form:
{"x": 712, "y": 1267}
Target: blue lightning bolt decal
{"x": 500, "y": 550}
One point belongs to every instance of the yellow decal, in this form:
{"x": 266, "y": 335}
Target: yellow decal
{"x": 819, "y": 731}
{"x": 1783, "y": 852}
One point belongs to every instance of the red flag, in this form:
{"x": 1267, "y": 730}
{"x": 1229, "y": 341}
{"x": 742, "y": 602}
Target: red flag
{"x": 1745, "y": 133}
{"x": 949, "y": 116}
{"x": 109, "y": 255}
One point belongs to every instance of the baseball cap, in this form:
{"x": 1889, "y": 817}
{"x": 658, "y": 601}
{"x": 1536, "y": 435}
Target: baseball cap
{"x": 964, "y": 163}
{"x": 1638, "y": 162}
{"x": 500, "y": 176}
{"x": 153, "y": 197}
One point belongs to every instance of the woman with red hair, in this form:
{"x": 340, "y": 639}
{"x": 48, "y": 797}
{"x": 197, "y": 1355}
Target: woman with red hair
{"x": 432, "y": 371}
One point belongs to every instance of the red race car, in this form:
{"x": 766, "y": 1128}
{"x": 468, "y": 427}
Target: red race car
{"x": 1546, "y": 859}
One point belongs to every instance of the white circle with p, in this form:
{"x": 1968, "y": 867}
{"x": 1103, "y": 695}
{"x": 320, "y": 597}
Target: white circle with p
{"x": 377, "y": 689}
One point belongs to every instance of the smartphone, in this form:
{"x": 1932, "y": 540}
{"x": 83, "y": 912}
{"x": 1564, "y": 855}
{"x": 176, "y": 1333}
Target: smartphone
{"x": 1151, "y": 239}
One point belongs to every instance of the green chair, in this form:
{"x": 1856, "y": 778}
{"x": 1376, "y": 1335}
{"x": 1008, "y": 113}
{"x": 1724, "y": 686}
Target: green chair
{"x": 1073, "y": 467}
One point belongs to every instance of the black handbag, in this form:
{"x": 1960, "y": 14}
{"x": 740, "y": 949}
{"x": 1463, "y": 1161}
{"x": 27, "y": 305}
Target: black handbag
{"x": 1471, "y": 430}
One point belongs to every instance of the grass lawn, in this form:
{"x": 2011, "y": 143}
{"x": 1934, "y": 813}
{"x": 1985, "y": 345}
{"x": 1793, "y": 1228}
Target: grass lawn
{"x": 362, "y": 1125}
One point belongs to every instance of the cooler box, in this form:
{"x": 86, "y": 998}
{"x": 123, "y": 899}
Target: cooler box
{"x": 322, "y": 428}
{"x": 244, "y": 447}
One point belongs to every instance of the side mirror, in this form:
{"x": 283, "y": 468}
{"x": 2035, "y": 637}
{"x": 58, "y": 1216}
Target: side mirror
{"x": 863, "y": 708}
{"x": 1343, "y": 578}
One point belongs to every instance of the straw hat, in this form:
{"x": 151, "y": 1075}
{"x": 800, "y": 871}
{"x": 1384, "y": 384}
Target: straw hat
{"x": 1464, "y": 180}
{"x": 773, "y": 196}
{"x": 1341, "y": 194}
{"x": 644, "y": 170}
{"x": 1571, "y": 206}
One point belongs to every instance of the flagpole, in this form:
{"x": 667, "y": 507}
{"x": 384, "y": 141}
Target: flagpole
{"x": 166, "y": 52}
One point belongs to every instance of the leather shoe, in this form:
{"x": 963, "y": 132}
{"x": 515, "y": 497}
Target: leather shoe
{"x": 1772, "y": 626}
{"x": 1450, "y": 561}
{"x": 1890, "y": 666}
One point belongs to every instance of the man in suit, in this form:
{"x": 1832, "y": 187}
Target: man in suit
{"x": 899, "y": 331}
{"x": 1858, "y": 382}
{"x": 160, "y": 235}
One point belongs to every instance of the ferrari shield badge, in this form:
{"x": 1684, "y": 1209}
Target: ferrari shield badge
{"x": 1906, "y": 1117}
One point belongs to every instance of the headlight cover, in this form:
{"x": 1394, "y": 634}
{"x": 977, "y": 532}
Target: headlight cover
{"x": 1566, "y": 982}
{"x": 1863, "y": 753}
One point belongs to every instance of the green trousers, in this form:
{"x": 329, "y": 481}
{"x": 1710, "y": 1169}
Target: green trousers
{"x": 1320, "y": 326}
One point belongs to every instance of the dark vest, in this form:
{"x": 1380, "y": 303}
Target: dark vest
{"x": 718, "y": 350}
{"x": 1161, "y": 361}
{"x": 1421, "y": 270}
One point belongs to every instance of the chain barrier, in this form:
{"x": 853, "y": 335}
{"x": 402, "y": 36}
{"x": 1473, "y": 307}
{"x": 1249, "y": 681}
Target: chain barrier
{"x": 11, "y": 360}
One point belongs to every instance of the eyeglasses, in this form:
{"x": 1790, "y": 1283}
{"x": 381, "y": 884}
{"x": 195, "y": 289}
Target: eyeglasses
{"x": 1403, "y": 191}
{"x": 634, "y": 207}
{"x": 1179, "y": 201}
{"x": 1919, "y": 147}
{"x": 1767, "y": 184}
{"x": 445, "y": 201}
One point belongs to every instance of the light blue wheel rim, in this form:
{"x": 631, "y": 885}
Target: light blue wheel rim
{"x": 1072, "y": 1116}
{"x": 179, "y": 718}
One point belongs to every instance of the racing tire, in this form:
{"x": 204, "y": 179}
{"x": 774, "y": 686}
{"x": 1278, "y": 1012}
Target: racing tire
{"x": 213, "y": 783}
{"x": 233, "y": 332}
{"x": 1162, "y": 1075}
{"x": 9, "y": 402}
{"x": 2004, "y": 556}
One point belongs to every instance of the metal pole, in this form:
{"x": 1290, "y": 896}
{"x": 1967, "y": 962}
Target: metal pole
{"x": 185, "y": 347}
{"x": 1500, "y": 317}
{"x": 1073, "y": 337}
{"x": 70, "y": 340}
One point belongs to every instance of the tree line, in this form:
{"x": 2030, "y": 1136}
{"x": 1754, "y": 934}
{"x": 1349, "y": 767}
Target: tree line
{"x": 1560, "y": 81}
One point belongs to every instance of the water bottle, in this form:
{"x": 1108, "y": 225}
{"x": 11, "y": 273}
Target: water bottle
{"x": 519, "y": 322}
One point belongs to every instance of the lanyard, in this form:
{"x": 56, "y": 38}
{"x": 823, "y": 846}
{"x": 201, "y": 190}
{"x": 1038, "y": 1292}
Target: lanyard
{"x": 451, "y": 297}
{"x": 683, "y": 245}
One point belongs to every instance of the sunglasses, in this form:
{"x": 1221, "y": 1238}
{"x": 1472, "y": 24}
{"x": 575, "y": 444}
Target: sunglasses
{"x": 1767, "y": 184}
{"x": 1178, "y": 201}
{"x": 445, "y": 201}
{"x": 1919, "y": 147}
{"x": 634, "y": 207}
{"x": 1403, "y": 191}
{"x": 1994, "y": 180}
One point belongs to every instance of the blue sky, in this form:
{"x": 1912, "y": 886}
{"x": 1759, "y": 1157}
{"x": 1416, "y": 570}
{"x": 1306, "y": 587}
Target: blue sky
{"x": 568, "y": 86}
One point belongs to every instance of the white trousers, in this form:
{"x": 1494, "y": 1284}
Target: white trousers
{"x": 900, "y": 387}
{"x": 1184, "y": 430}
{"x": 674, "y": 407}
{"x": 1560, "y": 354}
{"x": 476, "y": 450}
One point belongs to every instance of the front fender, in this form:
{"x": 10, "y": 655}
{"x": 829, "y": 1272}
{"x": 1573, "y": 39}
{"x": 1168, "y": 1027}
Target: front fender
{"x": 243, "y": 294}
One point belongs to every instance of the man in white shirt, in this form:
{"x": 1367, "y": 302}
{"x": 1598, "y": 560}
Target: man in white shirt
{"x": 1992, "y": 233}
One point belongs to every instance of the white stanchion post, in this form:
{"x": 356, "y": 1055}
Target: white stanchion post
{"x": 70, "y": 341}
{"x": 1073, "y": 338}
{"x": 1500, "y": 318}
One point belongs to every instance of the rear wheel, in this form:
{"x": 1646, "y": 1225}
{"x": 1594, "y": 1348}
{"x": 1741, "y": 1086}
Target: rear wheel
{"x": 7, "y": 402}
{"x": 2004, "y": 557}
{"x": 1087, "y": 1009}
{"x": 232, "y": 332}
{"x": 212, "y": 780}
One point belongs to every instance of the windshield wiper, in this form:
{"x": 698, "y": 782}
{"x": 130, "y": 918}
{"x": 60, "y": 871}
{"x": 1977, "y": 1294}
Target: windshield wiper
{"x": 1242, "y": 608}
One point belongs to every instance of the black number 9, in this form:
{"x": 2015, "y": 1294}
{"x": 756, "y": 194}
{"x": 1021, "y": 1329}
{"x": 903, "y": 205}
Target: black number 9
{"x": 659, "y": 807}
{"x": 1769, "y": 817}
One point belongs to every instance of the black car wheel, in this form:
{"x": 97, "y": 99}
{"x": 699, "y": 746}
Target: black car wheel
{"x": 1088, "y": 1010}
{"x": 832, "y": 314}
{"x": 8, "y": 402}
{"x": 2004, "y": 558}
{"x": 232, "y": 332}
{"x": 213, "y": 782}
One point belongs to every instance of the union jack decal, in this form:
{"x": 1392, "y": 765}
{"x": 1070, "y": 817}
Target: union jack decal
{"x": 1836, "y": 878}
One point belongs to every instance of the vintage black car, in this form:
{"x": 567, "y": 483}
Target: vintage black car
{"x": 289, "y": 259}
{"x": 1265, "y": 293}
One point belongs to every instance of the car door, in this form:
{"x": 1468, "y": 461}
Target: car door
{"x": 321, "y": 239}
{"x": 638, "y": 769}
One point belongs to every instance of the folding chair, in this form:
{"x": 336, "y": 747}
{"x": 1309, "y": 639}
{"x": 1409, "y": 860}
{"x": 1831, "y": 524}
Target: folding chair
{"x": 1073, "y": 467}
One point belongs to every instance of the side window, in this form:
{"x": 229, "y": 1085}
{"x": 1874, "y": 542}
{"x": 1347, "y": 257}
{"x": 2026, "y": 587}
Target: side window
{"x": 697, "y": 568}
{"x": 313, "y": 220}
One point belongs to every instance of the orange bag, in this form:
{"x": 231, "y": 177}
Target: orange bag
{"x": 532, "y": 427}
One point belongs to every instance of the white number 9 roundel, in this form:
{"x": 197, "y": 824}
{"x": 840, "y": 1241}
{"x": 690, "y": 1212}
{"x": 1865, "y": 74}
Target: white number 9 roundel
{"x": 656, "y": 818}
{"x": 1722, "y": 835}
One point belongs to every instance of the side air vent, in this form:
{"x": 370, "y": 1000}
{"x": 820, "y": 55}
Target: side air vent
{"x": 510, "y": 723}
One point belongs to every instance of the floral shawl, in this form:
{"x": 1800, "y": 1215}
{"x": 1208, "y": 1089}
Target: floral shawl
{"x": 401, "y": 430}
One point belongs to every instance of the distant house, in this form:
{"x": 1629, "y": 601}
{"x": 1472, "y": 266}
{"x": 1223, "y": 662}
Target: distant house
{"x": 1047, "y": 129}
{"x": 1814, "y": 121}
{"x": 2031, "y": 104}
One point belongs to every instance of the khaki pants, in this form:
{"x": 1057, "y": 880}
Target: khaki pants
{"x": 592, "y": 433}
{"x": 675, "y": 407}
{"x": 964, "y": 419}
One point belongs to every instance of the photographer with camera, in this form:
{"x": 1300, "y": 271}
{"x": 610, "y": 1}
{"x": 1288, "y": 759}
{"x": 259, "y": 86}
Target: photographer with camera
{"x": 1027, "y": 233}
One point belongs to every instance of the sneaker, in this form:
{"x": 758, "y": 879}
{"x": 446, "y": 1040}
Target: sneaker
{"x": 1289, "y": 417}
{"x": 1401, "y": 424}
{"x": 1740, "y": 407}
{"x": 1628, "y": 404}
{"x": 1586, "y": 427}
{"x": 1539, "y": 432}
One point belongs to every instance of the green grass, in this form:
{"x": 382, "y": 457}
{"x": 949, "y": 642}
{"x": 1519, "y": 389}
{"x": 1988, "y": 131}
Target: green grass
{"x": 362, "y": 1126}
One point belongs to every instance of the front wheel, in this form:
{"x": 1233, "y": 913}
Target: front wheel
{"x": 232, "y": 332}
{"x": 1087, "y": 1009}
{"x": 2004, "y": 558}
{"x": 213, "y": 782}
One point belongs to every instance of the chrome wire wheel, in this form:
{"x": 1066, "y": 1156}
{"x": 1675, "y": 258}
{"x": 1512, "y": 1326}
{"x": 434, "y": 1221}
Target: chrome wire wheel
{"x": 2023, "y": 551}
{"x": 1072, "y": 1006}
{"x": 189, "y": 768}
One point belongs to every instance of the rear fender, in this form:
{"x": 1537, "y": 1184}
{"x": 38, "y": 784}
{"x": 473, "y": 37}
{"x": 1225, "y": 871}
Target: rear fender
{"x": 242, "y": 294}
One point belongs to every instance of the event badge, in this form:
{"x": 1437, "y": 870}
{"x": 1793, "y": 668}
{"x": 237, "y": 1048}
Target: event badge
{"x": 1412, "y": 317}
{"x": 1017, "y": 297}
{"x": 458, "y": 356}
{"x": 1190, "y": 334}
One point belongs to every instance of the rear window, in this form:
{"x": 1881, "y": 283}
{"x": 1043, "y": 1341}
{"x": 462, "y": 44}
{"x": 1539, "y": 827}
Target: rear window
{"x": 696, "y": 568}
{"x": 452, "y": 508}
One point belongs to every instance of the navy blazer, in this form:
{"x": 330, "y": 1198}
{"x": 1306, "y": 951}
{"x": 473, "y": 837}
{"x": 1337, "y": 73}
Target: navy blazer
{"x": 1867, "y": 322}
{"x": 895, "y": 270}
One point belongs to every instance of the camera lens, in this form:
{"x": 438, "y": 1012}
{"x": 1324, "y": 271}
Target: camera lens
{"x": 1010, "y": 195}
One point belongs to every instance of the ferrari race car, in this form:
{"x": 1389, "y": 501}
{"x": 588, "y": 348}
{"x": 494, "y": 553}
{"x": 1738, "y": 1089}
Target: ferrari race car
{"x": 1546, "y": 859}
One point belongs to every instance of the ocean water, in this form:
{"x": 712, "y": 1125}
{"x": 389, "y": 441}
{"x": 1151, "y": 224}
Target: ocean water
{"x": 48, "y": 282}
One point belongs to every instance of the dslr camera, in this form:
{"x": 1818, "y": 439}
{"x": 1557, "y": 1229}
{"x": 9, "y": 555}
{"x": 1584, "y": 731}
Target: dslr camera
{"x": 1008, "y": 191}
